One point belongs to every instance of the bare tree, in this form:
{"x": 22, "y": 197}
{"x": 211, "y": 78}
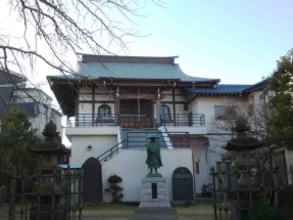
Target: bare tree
{"x": 51, "y": 30}
{"x": 51, "y": 33}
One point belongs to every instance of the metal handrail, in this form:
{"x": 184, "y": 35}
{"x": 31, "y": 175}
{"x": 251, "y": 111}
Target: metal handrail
{"x": 108, "y": 154}
{"x": 183, "y": 119}
{"x": 139, "y": 140}
{"x": 135, "y": 120}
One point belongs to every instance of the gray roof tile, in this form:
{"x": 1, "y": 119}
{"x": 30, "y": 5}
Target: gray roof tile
{"x": 148, "y": 71}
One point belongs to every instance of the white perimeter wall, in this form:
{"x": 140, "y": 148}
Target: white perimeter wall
{"x": 130, "y": 165}
{"x": 100, "y": 143}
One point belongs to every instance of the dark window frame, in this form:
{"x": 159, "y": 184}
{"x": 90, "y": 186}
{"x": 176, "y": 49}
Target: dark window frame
{"x": 165, "y": 116}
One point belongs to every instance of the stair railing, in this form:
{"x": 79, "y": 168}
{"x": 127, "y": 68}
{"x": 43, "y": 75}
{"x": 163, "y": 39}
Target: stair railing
{"x": 165, "y": 134}
{"x": 108, "y": 154}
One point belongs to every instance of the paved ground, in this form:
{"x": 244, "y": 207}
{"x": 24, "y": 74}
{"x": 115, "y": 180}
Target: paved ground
{"x": 156, "y": 214}
{"x": 200, "y": 211}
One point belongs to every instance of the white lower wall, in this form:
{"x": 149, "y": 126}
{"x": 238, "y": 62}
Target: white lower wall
{"x": 79, "y": 148}
{"x": 130, "y": 165}
{"x": 207, "y": 158}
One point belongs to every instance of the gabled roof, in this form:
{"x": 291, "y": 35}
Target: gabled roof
{"x": 143, "y": 71}
{"x": 221, "y": 89}
{"x": 11, "y": 77}
{"x": 134, "y": 68}
{"x": 257, "y": 86}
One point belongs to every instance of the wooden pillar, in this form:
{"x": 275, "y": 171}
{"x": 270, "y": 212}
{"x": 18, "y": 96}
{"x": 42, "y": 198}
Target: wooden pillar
{"x": 174, "y": 106}
{"x": 93, "y": 105}
{"x": 76, "y": 107}
{"x": 158, "y": 108}
{"x": 138, "y": 106}
{"x": 117, "y": 105}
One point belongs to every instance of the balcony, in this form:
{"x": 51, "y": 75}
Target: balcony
{"x": 189, "y": 119}
{"x": 135, "y": 121}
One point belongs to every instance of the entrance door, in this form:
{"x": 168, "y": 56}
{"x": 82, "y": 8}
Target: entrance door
{"x": 182, "y": 184}
{"x": 136, "y": 113}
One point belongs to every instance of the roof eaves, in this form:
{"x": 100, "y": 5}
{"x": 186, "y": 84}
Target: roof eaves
{"x": 256, "y": 87}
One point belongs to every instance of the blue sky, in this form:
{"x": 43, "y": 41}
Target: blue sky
{"x": 236, "y": 41}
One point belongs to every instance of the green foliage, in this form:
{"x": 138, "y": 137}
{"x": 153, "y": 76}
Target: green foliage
{"x": 281, "y": 83}
{"x": 262, "y": 211}
{"x": 114, "y": 189}
{"x": 16, "y": 137}
{"x": 114, "y": 179}
{"x": 286, "y": 202}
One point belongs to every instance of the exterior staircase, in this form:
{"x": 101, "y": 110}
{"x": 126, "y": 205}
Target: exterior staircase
{"x": 132, "y": 138}
{"x": 138, "y": 138}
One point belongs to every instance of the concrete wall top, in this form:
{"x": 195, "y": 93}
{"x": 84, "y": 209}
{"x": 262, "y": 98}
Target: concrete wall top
{"x": 99, "y": 130}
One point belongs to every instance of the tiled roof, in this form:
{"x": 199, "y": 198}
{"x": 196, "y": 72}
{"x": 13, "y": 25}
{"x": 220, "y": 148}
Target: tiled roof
{"x": 142, "y": 71}
{"x": 220, "y": 89}
{"x": 257, "y": 86}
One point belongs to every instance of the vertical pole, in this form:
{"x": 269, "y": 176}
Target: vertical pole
{"x": 38, "y": 209}
{"x": 52, "y": 211}
{"x": 213, "y": 173}
{"x": 193, "y": 170}
{"x": 117, "y": 105}
{"x": 190, "y": 119}
{"x": 138, "y": 109}
{"x": 76, "y": 108}
{"x": 23, "y": 211}
{"x": 12, "y": 198}
{"x": 84, "y": 124}
{"x": 93, "y": 104}
{"x": 158, "y": 108}
{"x": 174, "y": 106}
{"x": 80, "y": 190}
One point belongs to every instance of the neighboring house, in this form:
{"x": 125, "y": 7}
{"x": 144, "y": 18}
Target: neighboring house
{"x": 282, "y": 157}
{"x": 34, "y": 102}
{"x": 117, "y": 100}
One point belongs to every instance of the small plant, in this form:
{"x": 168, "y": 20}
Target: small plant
{"x": 114, "y": 189}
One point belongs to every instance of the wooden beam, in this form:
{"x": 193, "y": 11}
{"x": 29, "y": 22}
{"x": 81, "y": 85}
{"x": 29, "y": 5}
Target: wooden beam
{"x": 158, "y": 108}
{"x": 96, "y": 101}
{"x": 76, "y": 107}
{"x": 117, "y": 104}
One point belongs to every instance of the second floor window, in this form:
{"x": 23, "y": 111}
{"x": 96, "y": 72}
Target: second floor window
{"x": 104, "y": 111}
{"x": 225, "y": 112}
{"x": 165, "y": 114}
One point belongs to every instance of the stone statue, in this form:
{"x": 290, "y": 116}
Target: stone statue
{"x": 153, "y": 156}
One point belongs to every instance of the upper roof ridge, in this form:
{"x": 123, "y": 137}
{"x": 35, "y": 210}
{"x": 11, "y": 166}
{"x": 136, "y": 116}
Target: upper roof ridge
{"x": 87, "y": 58}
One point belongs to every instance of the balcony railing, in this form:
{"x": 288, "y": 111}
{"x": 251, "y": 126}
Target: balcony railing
{"x": 92, "y": 120}
{"x": 134, "y": 120}
{"x": 138, "y": 139}
{"x": 189, "y": 119}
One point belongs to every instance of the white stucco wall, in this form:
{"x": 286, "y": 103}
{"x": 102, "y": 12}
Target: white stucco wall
{"x": 207, "y": 158}
{"x": 88, "y": 131}
{"x": 206, "y": 106}
{"x": 100, "y": 143}
{"x": 130, "y": 165}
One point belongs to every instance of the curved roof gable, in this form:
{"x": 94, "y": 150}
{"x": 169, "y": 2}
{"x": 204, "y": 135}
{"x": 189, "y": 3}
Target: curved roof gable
{"x": 134, "y": 67}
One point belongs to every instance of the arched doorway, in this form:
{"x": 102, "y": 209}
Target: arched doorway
{"x": 182, "y": 184}
{"x": 92, "y": 181}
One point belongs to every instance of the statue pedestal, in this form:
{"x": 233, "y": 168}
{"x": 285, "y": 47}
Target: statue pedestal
{"x": 154, "y": 193}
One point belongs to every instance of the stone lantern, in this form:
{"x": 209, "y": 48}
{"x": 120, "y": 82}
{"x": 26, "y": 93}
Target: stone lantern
{"x": 241, "y": 146}
{"x": 51, "y": 149}
{"x": 50, "y": 191}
